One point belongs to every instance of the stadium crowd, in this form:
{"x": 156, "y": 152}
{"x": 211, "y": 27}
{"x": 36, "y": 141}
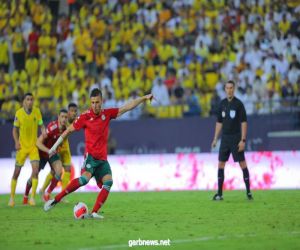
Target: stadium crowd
{"x": 182, "y": 51}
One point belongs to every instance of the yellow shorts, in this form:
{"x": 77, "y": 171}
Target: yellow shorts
{"x": 23, "y": 153}
{"x": 65, "y": 157}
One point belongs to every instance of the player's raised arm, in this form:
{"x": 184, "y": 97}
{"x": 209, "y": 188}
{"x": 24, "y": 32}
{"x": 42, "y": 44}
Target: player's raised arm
{"x": 134, "y": 103}
{"x": 60, "y": 139}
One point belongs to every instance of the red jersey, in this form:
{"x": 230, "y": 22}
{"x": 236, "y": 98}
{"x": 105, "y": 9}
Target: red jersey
{"x": 170, "y": 82}
{"x": 96, "y": 131}
{"x": 53, "y": 133}
{"x": 33, "y": 42}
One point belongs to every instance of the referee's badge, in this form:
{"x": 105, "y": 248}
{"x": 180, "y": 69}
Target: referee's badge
{"x": 232, "y": 113}
{"x": 223, "y": 114}
{"x": 103, "y": 117}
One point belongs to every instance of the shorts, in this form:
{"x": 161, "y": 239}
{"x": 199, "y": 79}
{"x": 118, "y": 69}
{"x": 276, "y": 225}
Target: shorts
{"x": 23, "y": 153}
{"x": 44, "y": 161}
{"x": 229, "y": 145}
{"x": 65, "y": 157}
{"x": 97, "y": 168}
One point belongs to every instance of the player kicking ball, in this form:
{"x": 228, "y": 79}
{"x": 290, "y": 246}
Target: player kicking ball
{"x": 95, "y": 122}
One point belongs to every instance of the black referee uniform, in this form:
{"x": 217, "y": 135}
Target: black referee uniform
{"x": 231, "y": 114}
{"x": 231, "y": 119}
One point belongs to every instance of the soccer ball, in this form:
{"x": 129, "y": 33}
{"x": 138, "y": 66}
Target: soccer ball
{"x": 80, "y": 210}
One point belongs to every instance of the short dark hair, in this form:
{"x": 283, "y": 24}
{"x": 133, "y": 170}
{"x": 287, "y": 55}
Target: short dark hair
{"x": 72, "y": 105}
{"x": 230, "y": 82}
{"x": 96, "y": 92}
{"x": 27, "y": 94}
{"x": 63, "y": 111}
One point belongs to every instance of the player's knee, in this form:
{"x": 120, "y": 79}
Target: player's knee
{"x": 99, "y": 184}
{"x": 57, "y": 177}
{"x": 83, "y": 180}
{"x": 221, "y": 164}
{"x": 107, "y": 184}
{"x": 16, "y": 173}
{"x": 29, "y": 182}
{"x": 35, "y": 174}
{"x": 58, "y": 172}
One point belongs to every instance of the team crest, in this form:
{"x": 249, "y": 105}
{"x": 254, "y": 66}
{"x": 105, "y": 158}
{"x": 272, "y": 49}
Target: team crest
{"x": 223, "y": 114}
{"x": 103, "y": 117}
{"x": 88, "y": 165}
{"x": 232, "y": 113}
{"x": 54, "y": 126}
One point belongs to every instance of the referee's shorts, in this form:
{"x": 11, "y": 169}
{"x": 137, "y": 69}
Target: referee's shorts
{"x": 229, "y": 144}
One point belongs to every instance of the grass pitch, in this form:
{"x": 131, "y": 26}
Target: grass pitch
{"x": 189, "y": 219}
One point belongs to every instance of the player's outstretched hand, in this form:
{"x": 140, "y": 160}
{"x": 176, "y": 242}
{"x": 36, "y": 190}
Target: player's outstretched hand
{"x": 149, "y": 97}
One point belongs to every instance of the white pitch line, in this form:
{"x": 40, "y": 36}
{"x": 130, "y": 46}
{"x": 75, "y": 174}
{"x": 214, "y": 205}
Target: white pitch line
{"x": 182, "y": 241}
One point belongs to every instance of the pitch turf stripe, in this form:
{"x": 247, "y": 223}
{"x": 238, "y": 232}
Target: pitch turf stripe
{"x": 182, "y": 241}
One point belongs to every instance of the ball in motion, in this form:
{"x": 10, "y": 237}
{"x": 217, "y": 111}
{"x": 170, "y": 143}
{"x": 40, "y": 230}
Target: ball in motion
{"x": 80, "y": 210}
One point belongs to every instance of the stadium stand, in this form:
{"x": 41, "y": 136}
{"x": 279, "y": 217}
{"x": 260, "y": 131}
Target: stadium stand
{"x": 128, "y": 48}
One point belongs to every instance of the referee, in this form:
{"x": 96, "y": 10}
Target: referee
{"x": 232, "y": 121}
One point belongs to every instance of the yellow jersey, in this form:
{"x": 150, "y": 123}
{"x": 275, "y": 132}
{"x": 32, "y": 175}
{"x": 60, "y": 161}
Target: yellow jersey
{"x": 28, "y": 126}
{"x": 65, "y": 153}
{"x": 4, "y": 52}
{"x": 18, "y": 44}
{"x": 65, "y": 146}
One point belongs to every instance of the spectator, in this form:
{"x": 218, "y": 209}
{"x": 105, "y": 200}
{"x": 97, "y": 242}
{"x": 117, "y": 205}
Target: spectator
{"x": 143, "y": 41}
{"x": 33, "y": 42}
{"x": 194, "y": 108}
{"x": 178, "y": 93}
{"x": 161, "y": 94}
{"x": 214, "y": 104}
{"x": 250, "y": 101}
{"x": 109, "y": 102}
{"x": 293, "y": 74}
{"x": 18, "y": 49}
{"x": 4, "y": 53}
